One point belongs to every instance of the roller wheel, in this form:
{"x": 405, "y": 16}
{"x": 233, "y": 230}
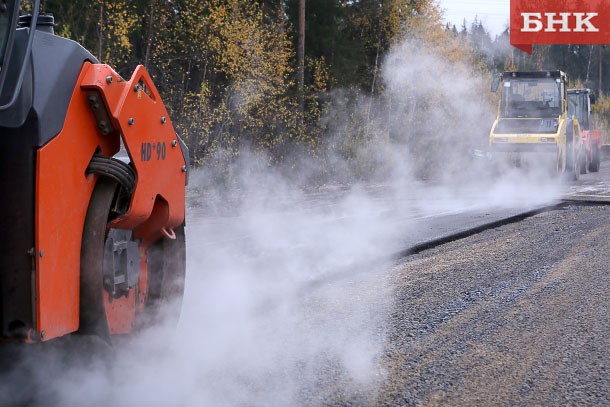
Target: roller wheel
{"x": 166, "y": 273}
{"x": 575, "y": 169}
{"x": 159, "y": 280}
{"x": 572, "y": 172}
{"x": 583, "y": 161}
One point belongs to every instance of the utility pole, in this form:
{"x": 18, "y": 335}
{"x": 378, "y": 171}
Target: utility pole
{"x": 150, "y": 33}
{"x": 301, "y": 56}
{"x": 100, "y": 44}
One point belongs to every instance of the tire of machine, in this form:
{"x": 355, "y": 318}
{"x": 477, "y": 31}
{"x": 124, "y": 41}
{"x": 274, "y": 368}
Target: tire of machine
{"x": 572, "y": 172}
{"x": 594, "y": 165}
{"x": 583, "y": 161}
{"x": 575, "y": 169}
{"x": 92, "y": 310}
{"x": 166, "y": 269}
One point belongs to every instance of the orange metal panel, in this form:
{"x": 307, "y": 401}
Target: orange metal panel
{"x": 62, "y": 197}
{"x": 63, "y": 191}
{"x": 137, "y": 111}
{"x": 120, "y": 313}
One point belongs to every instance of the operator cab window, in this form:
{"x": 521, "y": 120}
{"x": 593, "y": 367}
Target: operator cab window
{"x": 531, "y": 98}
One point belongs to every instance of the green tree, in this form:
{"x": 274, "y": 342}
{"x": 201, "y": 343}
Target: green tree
{"x": 104, "y": 27}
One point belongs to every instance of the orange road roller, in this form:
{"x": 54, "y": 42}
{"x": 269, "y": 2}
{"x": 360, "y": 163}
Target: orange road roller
{"x": 94, "y": 178}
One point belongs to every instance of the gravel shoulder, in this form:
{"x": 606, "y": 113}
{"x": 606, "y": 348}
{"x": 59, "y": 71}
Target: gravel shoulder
{"x": 516, "y": 315}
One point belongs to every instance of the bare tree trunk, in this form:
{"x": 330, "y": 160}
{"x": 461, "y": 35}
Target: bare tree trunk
{"x": 375, "y": 69}
{"x": 301, "y": 55}
{"x": 600, "y": 71}
{"x": 368, "y": 110}
{"x": 589, "y": 64}
{"x": 100, "y": 35}
{"x": 150, "y": 33}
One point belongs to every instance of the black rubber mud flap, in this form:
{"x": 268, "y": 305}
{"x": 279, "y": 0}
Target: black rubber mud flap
{"x": 92, "y": 310}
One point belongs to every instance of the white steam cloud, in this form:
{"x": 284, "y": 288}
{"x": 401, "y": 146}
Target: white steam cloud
{"x": 277, "y": 309}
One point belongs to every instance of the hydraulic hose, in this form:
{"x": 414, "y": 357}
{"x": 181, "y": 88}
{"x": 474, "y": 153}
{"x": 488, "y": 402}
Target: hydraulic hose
{"x": 119, "y": 171}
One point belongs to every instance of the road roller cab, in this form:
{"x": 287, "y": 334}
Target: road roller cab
{"x": 532, "y": 122}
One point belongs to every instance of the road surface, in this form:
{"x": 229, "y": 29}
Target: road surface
{"x": 424, "y": 295}
{"x": 516, "y": 315}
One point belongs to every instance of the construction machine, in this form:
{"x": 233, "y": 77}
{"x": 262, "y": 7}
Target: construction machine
{"x": 579, "y": 109}
{"x": 532, "y": 127}
{"x": 93, "y": 242}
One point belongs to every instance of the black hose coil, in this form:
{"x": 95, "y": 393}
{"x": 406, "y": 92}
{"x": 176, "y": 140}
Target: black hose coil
{"x": 115, "y": 169}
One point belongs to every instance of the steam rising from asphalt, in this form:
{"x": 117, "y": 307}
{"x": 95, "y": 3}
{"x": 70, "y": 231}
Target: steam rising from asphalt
{"x": 278, "y": 306}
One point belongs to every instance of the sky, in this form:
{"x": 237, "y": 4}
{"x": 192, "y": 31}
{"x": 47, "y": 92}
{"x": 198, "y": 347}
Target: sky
{"x": 494, "y": 14}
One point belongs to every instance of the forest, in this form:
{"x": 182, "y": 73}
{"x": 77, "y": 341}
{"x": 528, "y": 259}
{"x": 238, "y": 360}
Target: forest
{"x": 371, "y": 78}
